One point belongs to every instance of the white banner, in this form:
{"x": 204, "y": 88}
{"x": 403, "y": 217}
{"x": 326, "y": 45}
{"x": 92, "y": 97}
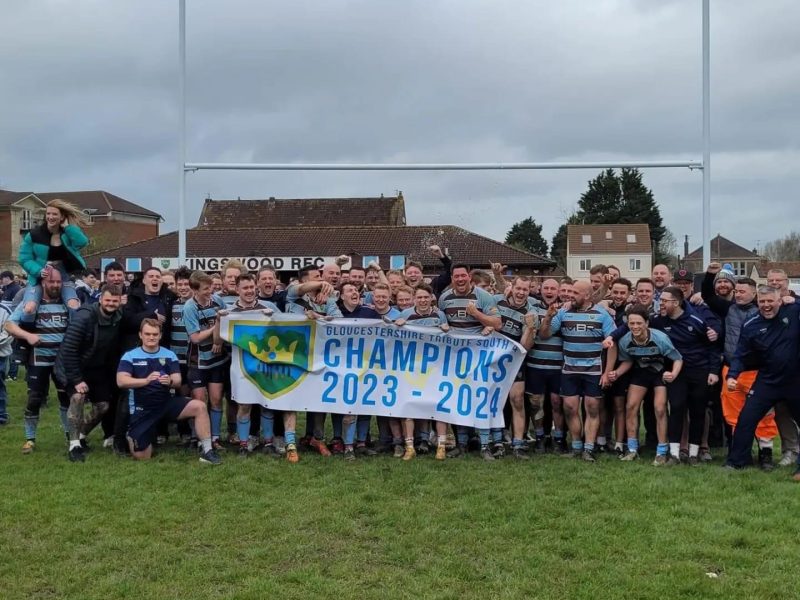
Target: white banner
{"x": 360, "y": 366}
{"x": 251, "y": 263}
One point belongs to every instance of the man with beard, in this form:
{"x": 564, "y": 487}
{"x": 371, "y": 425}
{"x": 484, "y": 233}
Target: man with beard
{"x": 87, "y": 364}
{"x": 583, "y": 327}
{"x": 469, "y": 309}
{"x": 44, "y": 336}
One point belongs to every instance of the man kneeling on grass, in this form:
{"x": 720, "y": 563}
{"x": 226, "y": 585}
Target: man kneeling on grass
{"x": 148, "y": 372}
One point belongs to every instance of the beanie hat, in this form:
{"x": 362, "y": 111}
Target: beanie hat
{"x": 726, "y": 273}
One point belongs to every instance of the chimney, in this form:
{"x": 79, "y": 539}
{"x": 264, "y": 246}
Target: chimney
{"x": 685, "y": 246}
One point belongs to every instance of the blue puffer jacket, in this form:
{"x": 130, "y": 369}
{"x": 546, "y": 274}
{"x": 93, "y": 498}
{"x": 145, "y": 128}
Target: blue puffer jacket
{"x": 36, "y": 244}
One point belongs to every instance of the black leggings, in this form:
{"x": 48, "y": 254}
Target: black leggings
{"x": 688, "y": 392}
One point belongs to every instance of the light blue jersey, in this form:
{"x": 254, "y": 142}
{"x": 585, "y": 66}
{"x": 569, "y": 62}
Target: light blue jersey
{"x": 50, "y": 324}
{"x": 583, "y": 332}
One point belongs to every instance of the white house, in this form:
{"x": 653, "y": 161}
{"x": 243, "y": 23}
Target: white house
{"x": 628, "y": 247}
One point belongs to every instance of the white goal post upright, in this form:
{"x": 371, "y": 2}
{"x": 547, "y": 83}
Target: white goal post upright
{"x": 186, "y": 167}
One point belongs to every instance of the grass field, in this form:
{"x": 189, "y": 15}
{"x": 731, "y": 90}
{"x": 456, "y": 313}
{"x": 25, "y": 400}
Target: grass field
{"x": 381, "y": 528}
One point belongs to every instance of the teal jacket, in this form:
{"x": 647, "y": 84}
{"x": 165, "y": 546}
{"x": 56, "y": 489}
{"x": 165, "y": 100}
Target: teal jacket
{"x": 36, "y": 244}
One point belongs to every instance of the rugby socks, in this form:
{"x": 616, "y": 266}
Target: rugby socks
{"x": 620, "y": 446}
{"x": 497, "y": 435}
{"x": 558, "y": 435}
{"x": 633, "y": 445}
{"x": 588, "y": 447}
{"x": 290, "y": 437}
{"x": 216, "y": 422}
{"x": 483, "y": 434}
{"x": 661, "y": 449}
{"x": 462, "y": 436}
{"x": 74, "y": 444}
{"x": 601, "y": 440}
{"x": 362, "y": 427}
{"x": 205, "y": 444}
{"x": 31, "y": 424}
{"x": 398, "y": 441}
{"x": 675, "y": 449}
{"x": 577, "y": 445}
{"x": 764, "y": 443}
{"x": 267, "y": 424}
{"x": 694, "y": 450}
{"x": 350, "y": 433}
{"x": 243, "y": 429}
{"x": 62, "y": 413}
{"x": 409, "y": 442}
{"x": 516, "y": 443}
{"x": 539, "y": 433}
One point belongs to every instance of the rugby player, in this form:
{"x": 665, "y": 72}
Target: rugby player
{"x": 469, "y": 309}
{"x": 148, "y": 372}
{"x": 43, "y": 337}
{"x": 653, "y": 363}
{"x": 206, "y": 361}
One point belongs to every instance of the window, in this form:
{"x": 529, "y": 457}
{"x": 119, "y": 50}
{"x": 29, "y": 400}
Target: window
{"x": 739, "y": 268}
{"x": 27, "y": 220}
{"x": 609, "y": 235}
{"x": 368, "y": 259}
{"x": 397, "y": 261}
{"x": 586, "y": 238}
{"x": 586, "y": 264}
{"x": 631, "y": 238}
{"x": 635, "y": 264}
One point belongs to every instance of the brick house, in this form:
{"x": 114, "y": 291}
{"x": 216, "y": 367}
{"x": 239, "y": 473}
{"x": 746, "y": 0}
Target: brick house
{"x": 628, "y": 247}
{"x": 115, "y": 221}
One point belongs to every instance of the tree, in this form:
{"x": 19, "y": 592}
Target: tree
{"x": 667, "y": 249}
{"x": 620, "y": 198}
{"x": 784, "y": 249}
{"x": 558, "y": 250}
{"x": 527, "y": 235}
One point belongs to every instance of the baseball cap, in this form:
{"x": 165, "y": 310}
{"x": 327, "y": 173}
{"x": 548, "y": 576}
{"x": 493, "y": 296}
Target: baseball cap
{"x": 683, "y": 275}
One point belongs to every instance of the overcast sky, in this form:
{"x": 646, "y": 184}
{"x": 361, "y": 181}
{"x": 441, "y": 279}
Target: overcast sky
{"x": 89, "y": 101}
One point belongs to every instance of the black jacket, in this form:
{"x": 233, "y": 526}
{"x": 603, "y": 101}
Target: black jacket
{"x": 135, "y": 311}
{"x": 80, "y": 346}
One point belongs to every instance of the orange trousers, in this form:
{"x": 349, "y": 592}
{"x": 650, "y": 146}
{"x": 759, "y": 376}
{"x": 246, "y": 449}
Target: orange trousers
{"x": 733, "y": 402}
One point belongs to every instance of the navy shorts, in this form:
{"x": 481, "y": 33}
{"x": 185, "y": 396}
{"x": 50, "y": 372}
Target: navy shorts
{"x": 620, "y": 386}
{"x": 520, "y": 374}
{"x": 200, "y": 378}
{"x": 539, "y": 382}
{"x": 142, "y": 427}
{"x": 581, "y": 384}
{"x": 647, "y": 378}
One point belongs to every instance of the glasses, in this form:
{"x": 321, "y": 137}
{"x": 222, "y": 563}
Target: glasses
{"x": 668, "y": 300}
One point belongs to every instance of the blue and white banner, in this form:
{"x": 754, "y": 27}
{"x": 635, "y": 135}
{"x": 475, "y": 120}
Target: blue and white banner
{"x": 361, "y": 366}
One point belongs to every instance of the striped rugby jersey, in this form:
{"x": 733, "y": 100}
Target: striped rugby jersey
{"x": 583, "y": 332}
{"x": 514, "y": 316}
{"x": 298, "y": 305}
{"x": 545, "y": 354}
{"x": 52, "y": 318}
{"x": 435, "y": 318}
{"x": 178, "y": 338}
{"x": 197, "y": 318}
{"x": 652, "y": 355}
{"x": 455, "y": 308}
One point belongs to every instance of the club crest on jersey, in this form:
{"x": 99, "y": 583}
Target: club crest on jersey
{"x": 275, "y": 357}
{"x": 162, "y": 362}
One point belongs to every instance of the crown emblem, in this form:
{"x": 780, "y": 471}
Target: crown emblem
{"x": 271, "y": 354}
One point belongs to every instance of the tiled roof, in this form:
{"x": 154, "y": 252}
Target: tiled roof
{"x": 100, "y": 201}
{"x": 608, "y": 239}
{"x": 722, "y": 248}
{"x": 792, "y": 268}
{"x": 409, "y": 241}
{"x": 7, "y": 198}
{"x": 308, "y": 212}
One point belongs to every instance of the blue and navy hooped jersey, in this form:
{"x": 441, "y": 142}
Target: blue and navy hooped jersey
{"x": 50, "y": 325}
{"x": 455, "y": 308}
{"x": 583, "y": 333}
{"x": 435, "y": 318}
{"x": 229, "y": 299}
{"x": 178, "y": 338}
{"x": 652, "y": 355}
{"x": 200, "y": 318}
{"x": 139, "y": 363}
{"x": 513, "y": 316}
{"x": 545, "y": 354}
